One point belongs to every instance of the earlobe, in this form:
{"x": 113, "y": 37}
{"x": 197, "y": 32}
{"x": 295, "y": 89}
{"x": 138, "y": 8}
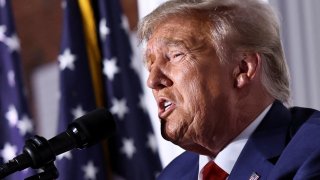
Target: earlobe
{"x": 246, "y": 69}
{"x": 242, "y": 80}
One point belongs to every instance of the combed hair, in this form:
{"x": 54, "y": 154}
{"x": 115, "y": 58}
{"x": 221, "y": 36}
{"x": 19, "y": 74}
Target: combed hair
{"x": 235, "y": 26}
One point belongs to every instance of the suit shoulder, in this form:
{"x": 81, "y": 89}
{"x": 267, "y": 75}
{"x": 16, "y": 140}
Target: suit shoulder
{"x": 301, "y": 116}
{"x": 185, "y": 166}
{"x": 302, "y": 150}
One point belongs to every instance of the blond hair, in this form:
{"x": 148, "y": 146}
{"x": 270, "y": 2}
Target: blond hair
{"x": 235, "y": 26}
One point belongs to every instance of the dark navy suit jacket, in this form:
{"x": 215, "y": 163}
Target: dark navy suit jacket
{"x": 286, "y": 145}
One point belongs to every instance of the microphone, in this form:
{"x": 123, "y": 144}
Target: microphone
{"x": 81, "y": 133}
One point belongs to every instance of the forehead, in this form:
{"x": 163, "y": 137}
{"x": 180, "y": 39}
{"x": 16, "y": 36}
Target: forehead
{"x": 177, "y": 31}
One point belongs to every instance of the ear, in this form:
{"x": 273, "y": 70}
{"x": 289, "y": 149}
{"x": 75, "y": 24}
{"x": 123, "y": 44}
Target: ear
{"x": 246, "y": 69}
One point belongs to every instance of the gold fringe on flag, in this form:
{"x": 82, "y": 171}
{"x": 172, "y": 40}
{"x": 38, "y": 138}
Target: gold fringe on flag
{"x": 93, "y": 51}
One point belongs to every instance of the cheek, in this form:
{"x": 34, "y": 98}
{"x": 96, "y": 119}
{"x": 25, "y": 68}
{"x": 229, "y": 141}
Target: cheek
{"x": 202, "y": 103}
{"x": 196, "y": 94}
{"x": 188, "y": 81}
{"x": 196, "y": 105}
{"x": 193, "y": 93}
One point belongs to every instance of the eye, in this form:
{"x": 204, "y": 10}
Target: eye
{"x": 175, "y": 55}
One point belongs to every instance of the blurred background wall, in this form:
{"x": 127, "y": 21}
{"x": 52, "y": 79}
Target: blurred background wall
{"x": 301, "y": 40}
{"x": 39, "y": 26}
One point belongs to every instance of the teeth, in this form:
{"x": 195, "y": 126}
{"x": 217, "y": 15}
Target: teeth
{"x": 167, "y": 104}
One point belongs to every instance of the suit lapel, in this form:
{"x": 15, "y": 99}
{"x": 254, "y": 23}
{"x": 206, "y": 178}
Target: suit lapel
{"x": 264, "y": 146}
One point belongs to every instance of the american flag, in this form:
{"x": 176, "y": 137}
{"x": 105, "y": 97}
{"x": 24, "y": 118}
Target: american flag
{"x": 16, "y": 124}
{"x": 132, "y": 153}
{"x": 76, "y": 97}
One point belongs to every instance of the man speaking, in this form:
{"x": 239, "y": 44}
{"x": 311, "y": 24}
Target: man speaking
{"x": 220, "y": 79}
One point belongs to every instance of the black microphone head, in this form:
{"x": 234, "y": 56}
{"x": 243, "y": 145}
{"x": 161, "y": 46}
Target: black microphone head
{"x": 92, "y": 127}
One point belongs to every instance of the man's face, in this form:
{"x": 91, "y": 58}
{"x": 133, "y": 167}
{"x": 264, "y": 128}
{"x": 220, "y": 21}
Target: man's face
{"x": 192, "y": 88}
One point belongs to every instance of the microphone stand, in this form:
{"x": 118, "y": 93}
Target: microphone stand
{"x": 50, "y": 172}
{"x": 38, "y": 154}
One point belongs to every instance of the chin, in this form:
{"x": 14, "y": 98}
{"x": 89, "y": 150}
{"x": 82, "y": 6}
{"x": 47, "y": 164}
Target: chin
{"x": 163, "y": 130}
{"x": 169, "y": 133}
{"x": 165, "y": 134}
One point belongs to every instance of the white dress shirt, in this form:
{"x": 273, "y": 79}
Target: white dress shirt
{"x": 229, "y": 155}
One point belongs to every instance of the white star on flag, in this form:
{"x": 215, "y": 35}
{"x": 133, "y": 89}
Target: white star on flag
{"x": 119, "y": 107}
{"x": 110, "y": 68}
{"x": 25, "y": 125}
{"x": 12, "y": 116}
{"x": 63, "y": 4}
{"x": 3, "y": 29}
{"x": 90, "y": 171}
{"x": 8, "y": 152}
{"x": 11, "y": 78}
{"x": 66, "y": 60}
{"x": 13, "y": 43}
{"x": 103, "y": 29}
{"x": 66, "y": 155}
{"x": 2, "y": 3}
{"x": 78, "y": 112}
{"x": 128, "y": 147}
{"x": 152, "y": 143}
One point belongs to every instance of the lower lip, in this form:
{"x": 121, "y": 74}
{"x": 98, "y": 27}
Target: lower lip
{"x": 164, "y": 113}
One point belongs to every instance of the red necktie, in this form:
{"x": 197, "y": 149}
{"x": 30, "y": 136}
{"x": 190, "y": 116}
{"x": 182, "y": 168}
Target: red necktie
{"x": 211, "y": 171}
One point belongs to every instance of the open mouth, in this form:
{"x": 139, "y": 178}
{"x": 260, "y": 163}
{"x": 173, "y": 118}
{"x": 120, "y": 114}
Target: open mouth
{"x": 165, "y": 107}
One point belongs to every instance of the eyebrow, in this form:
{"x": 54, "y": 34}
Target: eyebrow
{"x": 174, "y": 42}
{"x": 167, "y": 42}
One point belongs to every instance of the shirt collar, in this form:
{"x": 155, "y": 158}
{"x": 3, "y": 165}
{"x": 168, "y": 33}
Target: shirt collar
{"x": 229, "y": 155}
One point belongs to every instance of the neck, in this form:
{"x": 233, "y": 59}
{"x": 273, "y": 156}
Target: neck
{"x": 245, "y": 111}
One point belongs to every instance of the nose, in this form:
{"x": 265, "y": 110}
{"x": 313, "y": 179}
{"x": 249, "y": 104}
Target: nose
{"x": 157, "y": 79}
